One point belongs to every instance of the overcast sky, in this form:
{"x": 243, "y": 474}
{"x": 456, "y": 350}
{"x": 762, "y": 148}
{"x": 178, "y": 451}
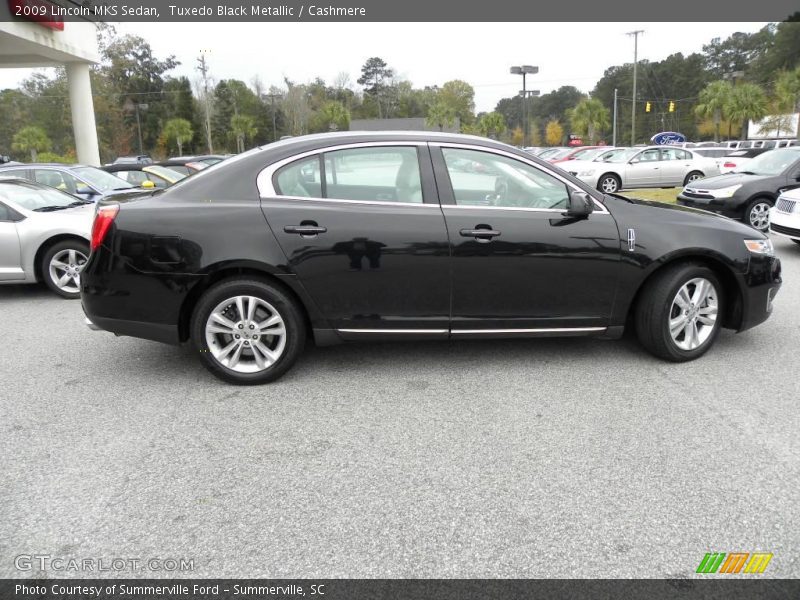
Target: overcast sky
{"x": 424, "y": 53}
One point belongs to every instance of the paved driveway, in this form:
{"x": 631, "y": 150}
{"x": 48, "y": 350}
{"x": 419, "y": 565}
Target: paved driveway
{"x": 535, "y": 458}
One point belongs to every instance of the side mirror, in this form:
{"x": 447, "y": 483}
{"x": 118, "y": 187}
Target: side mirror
{"x": 84, "y": 190}
{"x": 148, "y": 185}
{"x": 579, "y": 205}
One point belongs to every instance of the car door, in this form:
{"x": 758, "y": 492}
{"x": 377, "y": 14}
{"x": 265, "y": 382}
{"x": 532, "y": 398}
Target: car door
{"x": 519, "y": 265}
{"x": 362, "y": 229}
{"x": 10, "y": 259}
{"x": 675, "y": 165}
{"x": 643, "y": 170}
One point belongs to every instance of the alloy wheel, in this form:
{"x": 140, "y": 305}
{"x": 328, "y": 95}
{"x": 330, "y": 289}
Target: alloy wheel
{"x": 245, "y": 334}
{"x": 65, "y": 270}
{"x": 759, "y": 216}
{"x": 609, "y": 185}
{"x": 693, "y": 314}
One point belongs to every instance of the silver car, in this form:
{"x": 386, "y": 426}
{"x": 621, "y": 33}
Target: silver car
{"x": 44, "y": 235}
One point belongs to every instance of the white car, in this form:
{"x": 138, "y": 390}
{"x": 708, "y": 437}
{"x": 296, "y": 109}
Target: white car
{"x": 784, "y": 217}
{"x": 648, "y": 167}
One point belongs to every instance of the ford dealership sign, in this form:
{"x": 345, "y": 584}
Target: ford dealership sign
{"x": 668, "y": 137}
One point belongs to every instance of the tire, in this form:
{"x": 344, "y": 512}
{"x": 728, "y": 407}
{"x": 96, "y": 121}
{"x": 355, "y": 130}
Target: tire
{"x": 757, "y": 214}
{"x": 693, "y": 176}
{"x": 241, "y": 350}
{"x": 660, "y": 305}
{"x": 609, "y": 183}
{"x": 61, "y": 266}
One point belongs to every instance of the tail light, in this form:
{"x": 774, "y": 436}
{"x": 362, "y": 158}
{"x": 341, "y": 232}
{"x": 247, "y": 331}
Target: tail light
{"x": 103, "y": 219}
{"x": 729, "y": 165}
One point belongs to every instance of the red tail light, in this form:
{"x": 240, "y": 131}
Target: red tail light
{"x": 102, "y": 222}
{"x": 729, "y": 165}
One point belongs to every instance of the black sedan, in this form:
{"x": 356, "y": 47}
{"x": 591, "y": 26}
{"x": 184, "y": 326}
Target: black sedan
{"x": 368, "y": 236}
{"x": 749, "y": 193}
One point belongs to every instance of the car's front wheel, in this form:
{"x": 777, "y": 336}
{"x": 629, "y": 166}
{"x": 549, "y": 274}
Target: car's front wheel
{"x": 61, "y": 266}
{"x": 692, "y": 177}
{"x": 678, "y": 315}
{"x": 757, "y": 214}
{"x": 247, "y": 331}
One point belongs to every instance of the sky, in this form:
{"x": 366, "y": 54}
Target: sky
{"x": 424, "y": 53}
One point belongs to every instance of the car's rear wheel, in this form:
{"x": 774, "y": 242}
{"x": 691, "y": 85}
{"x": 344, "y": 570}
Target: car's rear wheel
{"x": 247, "y": 331}
{"x": 693, "y": 176}
{"x": 609, "y": 183}
{"x": 62, "y": 265}
{"x": 678, "y": 315}
{"x": 757, "y": 214}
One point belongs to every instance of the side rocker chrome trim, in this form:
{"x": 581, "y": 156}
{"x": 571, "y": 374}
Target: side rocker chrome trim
{"x": 541, "y": 330}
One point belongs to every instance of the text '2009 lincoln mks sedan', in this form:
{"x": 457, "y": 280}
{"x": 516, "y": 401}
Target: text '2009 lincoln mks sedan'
{"x": 413, "y": 236}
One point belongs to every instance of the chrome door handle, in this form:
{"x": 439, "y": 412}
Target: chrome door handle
{"x": 305, "y": 229}
{"x": 481, "y": 235}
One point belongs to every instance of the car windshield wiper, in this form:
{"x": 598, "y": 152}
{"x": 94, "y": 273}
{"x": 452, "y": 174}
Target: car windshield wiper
{"x": 49, "y": 208}
{"x": 745, "y": 172}
{"x": 81, "y": 202}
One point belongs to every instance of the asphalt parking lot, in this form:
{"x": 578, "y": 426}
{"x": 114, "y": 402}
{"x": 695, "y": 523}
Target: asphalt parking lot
{"x": 526, "y": 458}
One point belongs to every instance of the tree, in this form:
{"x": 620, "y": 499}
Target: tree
{"x": 31, "y": 139}
{"x": 516, "y": 136}
{"x": 333, "y": 116}
{"x": 373, "y": 74}
{"x": 747, "y": 102}
{"x": 440, "y": 115}
{"x": 554, "y": 133}
{"x": 242, "y": 127}
{"x": 787, "y": 92}
{"x": 492, "y": 125}
{"x": 589, "y": 117}
{"x": 459, "y": 97}
{"x": 179, "y": 130}
{"x": 714, "y": 99}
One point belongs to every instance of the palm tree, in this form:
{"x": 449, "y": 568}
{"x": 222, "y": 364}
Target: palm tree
{"x": 31, "y": 139}
{"x": 335, "y": 115}
{"x": 179, "y": 130}
{"x": 242, "y": 127}
{"x": 787, "y": 92}
{"x": 440, "y": 115}
{"x": 713, "y": 100}
{"x": 492, "y": 125}
{"x": 588, "y": 117}
{"x": 747, "y": 102}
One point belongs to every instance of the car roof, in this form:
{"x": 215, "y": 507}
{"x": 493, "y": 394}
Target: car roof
{"x": 44, "y": 165}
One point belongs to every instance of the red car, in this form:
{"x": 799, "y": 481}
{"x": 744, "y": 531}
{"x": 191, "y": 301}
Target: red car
{"x": 576, "y": 153}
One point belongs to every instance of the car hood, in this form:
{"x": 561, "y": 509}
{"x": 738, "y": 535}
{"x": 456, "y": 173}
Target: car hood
{"x": 727, "y": 180}
{"x": 79, "y": 217}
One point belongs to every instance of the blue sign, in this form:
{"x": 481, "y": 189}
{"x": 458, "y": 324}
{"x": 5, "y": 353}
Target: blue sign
{"x": 668, "y": 137}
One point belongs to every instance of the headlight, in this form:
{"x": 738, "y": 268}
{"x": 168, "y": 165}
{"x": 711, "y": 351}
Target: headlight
{"x": 760, "y": 247}
{"x": 725, "y": 192}
{"x": 587, "y": 173}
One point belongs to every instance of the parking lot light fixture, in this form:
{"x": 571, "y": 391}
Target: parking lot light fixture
{"x": 524, "y": 70}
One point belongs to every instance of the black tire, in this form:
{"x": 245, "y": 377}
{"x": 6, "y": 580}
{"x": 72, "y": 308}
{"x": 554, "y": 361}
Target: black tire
{"x": 693, "y": 176}
{"x": 754, "y": 207}
{"x": 654, "y": 310}
{"x": 73, "y": 254}
{"x": 278, "y": 300}
{"x": 612, "y": 181}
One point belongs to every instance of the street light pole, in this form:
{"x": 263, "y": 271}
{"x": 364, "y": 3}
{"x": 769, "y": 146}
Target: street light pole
{"x": 272, "y": 102}
{"x": 139, "y": 128}
{"x": 524, "y": 70}
{"x": 614, "y": 130}
{"x": 635, "y": 35}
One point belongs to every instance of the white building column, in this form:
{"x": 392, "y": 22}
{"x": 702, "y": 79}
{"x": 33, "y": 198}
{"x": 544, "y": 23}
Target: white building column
{"x": 83, "y": 124}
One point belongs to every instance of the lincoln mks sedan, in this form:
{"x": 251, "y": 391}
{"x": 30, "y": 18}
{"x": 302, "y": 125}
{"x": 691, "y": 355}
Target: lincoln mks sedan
{"x": 411, "y": 236}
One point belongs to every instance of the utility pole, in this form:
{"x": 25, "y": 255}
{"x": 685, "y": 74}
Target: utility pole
{"x": 614, "y": 128}
{"x": 524, "y": 70}
{"x": 203, "y": 68}
{"x": 272, "y": 102}
{"x": 635, "y": 35}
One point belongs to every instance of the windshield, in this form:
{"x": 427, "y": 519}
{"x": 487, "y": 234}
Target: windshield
{"x": 589, "y": 153}
{"x": 31, "y": 196}
{"x": 165, "y": 173}
{"x": 618, "y": 155}
{"x": 105, "y": 182}
{"x": 773, "y": 162}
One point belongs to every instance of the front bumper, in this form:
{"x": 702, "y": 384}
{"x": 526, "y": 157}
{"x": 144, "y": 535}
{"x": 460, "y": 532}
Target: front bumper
{"x": 761, "y": 284}
{"x": 88, "y": 322}
{"x": 721, "y": 206}
{"x": 784, "y": 224}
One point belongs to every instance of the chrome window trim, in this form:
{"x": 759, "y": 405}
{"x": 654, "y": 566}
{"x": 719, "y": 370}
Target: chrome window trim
{"x": 266, "y": 188}
{"x": 599, "y": 208}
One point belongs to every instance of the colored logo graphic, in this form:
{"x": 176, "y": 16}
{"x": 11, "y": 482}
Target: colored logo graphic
{"x": 668, "y": 137}
{"x": 734, "y": 562}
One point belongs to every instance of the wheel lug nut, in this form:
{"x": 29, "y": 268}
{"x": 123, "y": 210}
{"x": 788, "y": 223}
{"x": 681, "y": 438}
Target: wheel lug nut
{"x": 252, "y": 327}
{"x": 241, "y": 326}
{"x": 237, "y": 336}
{"x": 255, "y": 337}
